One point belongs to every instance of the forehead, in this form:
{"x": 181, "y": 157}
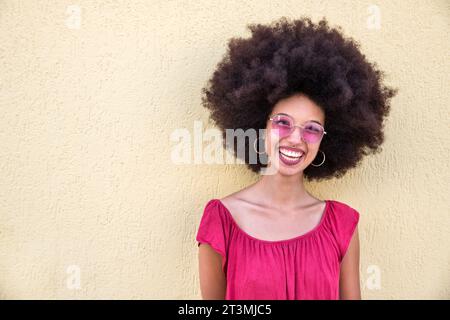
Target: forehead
{"x": 301, "y": 108}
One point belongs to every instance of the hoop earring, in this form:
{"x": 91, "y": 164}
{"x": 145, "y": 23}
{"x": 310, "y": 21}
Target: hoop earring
{"x": 318, "y": 165}
{"x": 254, "y": 146}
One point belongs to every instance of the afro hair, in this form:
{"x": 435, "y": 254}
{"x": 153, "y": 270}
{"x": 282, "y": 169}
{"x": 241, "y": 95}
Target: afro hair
{"x": 288, "y": 57}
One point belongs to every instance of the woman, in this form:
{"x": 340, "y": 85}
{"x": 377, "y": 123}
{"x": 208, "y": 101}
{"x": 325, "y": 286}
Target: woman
{"x": 322, "y": 105}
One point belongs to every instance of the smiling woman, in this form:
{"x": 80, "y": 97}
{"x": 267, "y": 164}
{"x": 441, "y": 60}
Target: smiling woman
{"x": 291, "y": 57}
{"x": 273, "y": 239}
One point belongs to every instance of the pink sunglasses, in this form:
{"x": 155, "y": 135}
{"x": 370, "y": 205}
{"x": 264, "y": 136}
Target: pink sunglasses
{"x": 311, "y": 131}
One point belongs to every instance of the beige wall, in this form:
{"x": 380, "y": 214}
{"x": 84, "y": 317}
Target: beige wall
{"x": 88, "y": 104}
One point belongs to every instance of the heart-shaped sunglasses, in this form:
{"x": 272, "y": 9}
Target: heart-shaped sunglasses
{"x": 284, "y": 125}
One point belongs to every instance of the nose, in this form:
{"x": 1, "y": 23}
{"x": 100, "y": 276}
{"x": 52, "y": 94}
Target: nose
{"x": 296, "y": 136}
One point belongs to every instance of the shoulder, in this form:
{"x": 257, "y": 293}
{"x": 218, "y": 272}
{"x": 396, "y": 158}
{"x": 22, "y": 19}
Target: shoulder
{"x": 343, "y": 209}
{"x": 214, "y": 219}
{"x": 235, "y": 202}
{"x": 342, "y": 216}
{"x": 229, "y": 201}
{"x": 214, "y": 210}
{"x": 212, "y": 207}
{"x": 343, "y": 222}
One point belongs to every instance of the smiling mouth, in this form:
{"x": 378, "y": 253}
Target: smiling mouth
{"x": 290, "y": 153}
{"x": 290, "y": 157}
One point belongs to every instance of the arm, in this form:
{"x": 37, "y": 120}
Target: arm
{"x": 212, "y": 278}
{"x": 349, "y": 288}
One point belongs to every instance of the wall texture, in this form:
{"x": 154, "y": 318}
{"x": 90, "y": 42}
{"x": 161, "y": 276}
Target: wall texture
{"x": 91, "y": 205}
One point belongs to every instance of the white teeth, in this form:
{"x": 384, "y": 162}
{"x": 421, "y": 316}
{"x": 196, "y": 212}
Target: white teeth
{"x": 290, "y": 153}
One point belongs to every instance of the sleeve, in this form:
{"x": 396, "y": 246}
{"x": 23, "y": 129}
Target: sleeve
{"x": 345, "y": 225}
{"x": 213, "y": 229}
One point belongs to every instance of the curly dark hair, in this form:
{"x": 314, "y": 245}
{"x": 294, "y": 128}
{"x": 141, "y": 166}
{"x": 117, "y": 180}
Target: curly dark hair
{"x": 289, "y": 57}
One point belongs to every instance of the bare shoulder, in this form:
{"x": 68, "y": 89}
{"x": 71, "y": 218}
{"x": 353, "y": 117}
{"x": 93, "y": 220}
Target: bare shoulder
{"x": 239, "y": 202}
{"x": 233, "y": 200}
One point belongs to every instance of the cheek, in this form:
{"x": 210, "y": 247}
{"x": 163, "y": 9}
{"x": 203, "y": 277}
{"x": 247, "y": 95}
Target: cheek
{"x": 313, "y": 152}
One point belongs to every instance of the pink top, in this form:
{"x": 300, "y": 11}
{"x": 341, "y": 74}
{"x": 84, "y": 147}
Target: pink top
{"x": 303, "y": 267}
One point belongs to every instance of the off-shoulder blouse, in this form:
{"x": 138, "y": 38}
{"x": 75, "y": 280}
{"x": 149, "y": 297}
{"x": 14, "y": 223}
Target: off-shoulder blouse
{"x": 303, "y": 267}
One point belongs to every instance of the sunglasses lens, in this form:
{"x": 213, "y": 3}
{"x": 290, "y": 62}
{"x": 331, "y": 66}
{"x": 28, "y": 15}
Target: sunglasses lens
{"x": 283, "y": 124}
{"x": 312, "y": 132}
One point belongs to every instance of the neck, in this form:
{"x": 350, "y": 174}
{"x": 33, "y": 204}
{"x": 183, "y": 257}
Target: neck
{"x": 283, "y": 191}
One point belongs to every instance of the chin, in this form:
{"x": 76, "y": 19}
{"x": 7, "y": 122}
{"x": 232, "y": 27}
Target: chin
{"x": 290, "y": 171}
{"x": 286, "y": 169}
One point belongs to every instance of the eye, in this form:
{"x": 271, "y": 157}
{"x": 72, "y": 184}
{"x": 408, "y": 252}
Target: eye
{"x": 282, "y": 122}
{"x": 314, "y": 128}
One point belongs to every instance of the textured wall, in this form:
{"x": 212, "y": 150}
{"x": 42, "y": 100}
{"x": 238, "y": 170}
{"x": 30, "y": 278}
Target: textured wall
{"x": 91, "y": 205}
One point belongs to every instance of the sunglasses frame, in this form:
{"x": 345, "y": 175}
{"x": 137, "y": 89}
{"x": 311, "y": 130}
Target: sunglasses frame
{"x": 300, "y": 126}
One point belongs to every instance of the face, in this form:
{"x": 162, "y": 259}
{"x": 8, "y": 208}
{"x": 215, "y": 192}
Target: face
{"x": 289, "y": 150}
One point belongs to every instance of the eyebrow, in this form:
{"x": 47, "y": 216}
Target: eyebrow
{"x": 305, "y": 121}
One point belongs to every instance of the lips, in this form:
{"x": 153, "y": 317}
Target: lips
{"x": 291, "y": 152}
{"x": 290, "y": 156}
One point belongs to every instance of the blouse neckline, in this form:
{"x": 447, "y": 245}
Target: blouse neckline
{"x": 302, "y": 236}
